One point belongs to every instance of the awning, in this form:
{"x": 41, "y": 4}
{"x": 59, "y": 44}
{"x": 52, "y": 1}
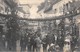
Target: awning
{"x": 10, "y": 3}
{"x": 20, "y": 9}
{"x": 14, "y": 5}
{"x": 47, "y": 6}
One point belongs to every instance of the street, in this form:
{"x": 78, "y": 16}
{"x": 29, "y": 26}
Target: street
{"x": 18, "y": 48}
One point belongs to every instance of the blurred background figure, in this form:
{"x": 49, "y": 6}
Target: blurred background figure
{"x": 52, "y": 48}
{"x": 23, "y": 42}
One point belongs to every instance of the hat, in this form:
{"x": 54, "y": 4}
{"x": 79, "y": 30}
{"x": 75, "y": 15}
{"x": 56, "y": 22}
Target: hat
{"x": 57, "y": 46}
{"x": 67, "y": 40}
{"x": 52, "y": 44}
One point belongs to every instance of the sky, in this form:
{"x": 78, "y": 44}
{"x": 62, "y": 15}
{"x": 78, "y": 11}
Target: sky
{"x": 34, "y": 7}
{"x": 30, "y": 1}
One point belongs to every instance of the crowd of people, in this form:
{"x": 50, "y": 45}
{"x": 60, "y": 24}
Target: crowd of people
{"x": 33, "y": 42}
{"x": 65, "y": 39}
{"x": 51, "y": 42}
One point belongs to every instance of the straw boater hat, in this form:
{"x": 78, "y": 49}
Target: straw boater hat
{"x": 67, "y": 40}
{"x": 52, "y": 44}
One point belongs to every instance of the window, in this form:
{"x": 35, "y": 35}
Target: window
{"x": 55, "y": 11}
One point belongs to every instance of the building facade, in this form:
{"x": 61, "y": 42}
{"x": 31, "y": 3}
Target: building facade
{"x": 4, "y": 9}
{"x": 61, "y": 8}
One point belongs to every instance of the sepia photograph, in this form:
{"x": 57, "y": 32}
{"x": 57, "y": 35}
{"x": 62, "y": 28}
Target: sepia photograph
{"x": 39, "y": 25}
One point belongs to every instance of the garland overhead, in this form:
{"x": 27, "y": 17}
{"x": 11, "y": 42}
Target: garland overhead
{"x": 51, "y": 18}
{"x": 42, "y": 19}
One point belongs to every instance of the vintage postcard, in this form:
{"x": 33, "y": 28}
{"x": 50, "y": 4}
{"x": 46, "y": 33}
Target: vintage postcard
{"x": 39, "y": 25}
